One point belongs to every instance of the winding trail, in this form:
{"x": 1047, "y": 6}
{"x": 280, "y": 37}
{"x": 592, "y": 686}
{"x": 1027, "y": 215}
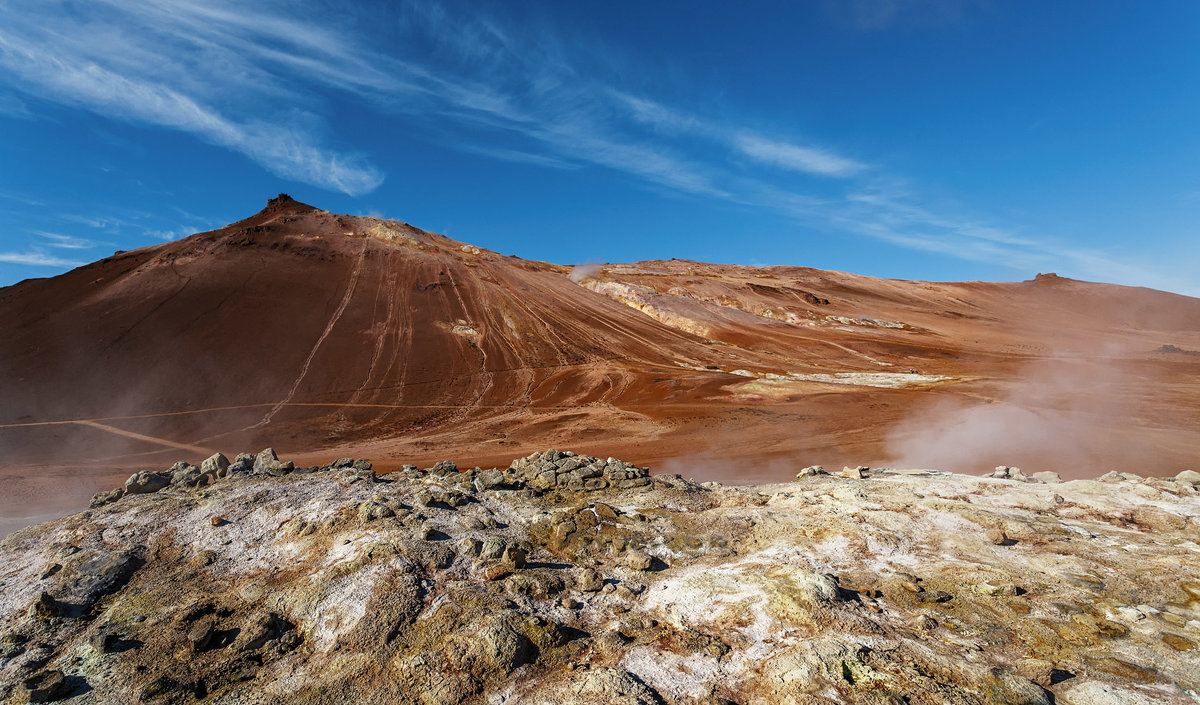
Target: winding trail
{"x": 142, "y": 437}
{"x": 337, "y": 314}
{"x": 331, "y": 404}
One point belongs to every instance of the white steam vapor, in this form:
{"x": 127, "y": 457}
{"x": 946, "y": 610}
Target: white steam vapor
{"x": 584, "y": 271}
{"x": 1060, "y": 416}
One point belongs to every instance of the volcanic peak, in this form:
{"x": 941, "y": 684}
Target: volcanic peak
{"x": 283, "y": 203}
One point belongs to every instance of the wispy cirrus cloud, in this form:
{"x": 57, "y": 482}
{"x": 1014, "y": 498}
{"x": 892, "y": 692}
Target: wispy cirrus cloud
{"x": 177, "y": 65}
{"x": 66, "y": 242}
{"x": 812, "y": 160}
{"x": 33, "y": 258}
{"x": 517, "y": 156}
{"x": 13, "y": 107}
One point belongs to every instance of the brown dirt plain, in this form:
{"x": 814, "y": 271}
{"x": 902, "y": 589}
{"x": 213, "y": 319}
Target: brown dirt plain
{"x": 329, "y": 335}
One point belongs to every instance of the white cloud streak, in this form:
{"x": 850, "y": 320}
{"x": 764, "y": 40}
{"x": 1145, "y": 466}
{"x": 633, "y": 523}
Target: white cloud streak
{"x": 66, "y": 242}
{"x": 37, "y": 259}
{"x": 796, "y": 157}
{"x": 13, "y": 107}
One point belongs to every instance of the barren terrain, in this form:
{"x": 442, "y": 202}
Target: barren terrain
{"x": 566, "y": 578}
{"x": 328, "y": 335}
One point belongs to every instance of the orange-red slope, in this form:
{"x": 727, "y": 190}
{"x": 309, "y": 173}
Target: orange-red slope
{"x": 326, "y": 334}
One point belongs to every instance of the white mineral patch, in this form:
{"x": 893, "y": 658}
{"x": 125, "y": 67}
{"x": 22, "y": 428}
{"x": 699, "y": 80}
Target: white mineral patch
{"x": 882, "y": 380}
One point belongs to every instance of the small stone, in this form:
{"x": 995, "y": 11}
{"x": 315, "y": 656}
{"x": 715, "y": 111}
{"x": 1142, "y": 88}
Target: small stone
{"x": 570, "y": 603}
{"x": 244, "y": 464}
{"x": 858, "y": 473}
{"x": 268, "y": 463}
{"x": 936, "y": 596}
{"x": 216, "y": 465}
{"x": 216, "y": 521}
{"x": 288, "y": 642}
{"x": 373, "y": 511}
{"x": 638, "y": 560}
{"x": 492, "y": 549}
{"x": 1004, "y": 686}
{"x": 426, "y": 532}
{"x": 810, "y": 471}
{"x": 1000, "y": 590}
{"x": 108, "y": 642}
{"x": 46, "y": 607}
{"x": 514, "y": 557}
{"x": 605, "y": 511}
{"x": 146, "y": 482}
{"x": 265, "y": 459}
{"x": 1047, "y": 476}
{"x": 926, "y": 623}
{"x": 496, "y": 571}
{"x": 202, "y": 636}
{"x": 102, "y": 498}
{"x": 999, "y": 538}
{"x": 489, "y": 480}
{"x": 588, "y": 580}
{"x": 45, "y": 687}
{"x": 456, "y": 498}
{"x": 1036, "y": 670}
{"x": 1189, "y": 476}
{"x": 442, "y": 467}
{"x": 911, "y": 586}
{"x": 259, "y": 630}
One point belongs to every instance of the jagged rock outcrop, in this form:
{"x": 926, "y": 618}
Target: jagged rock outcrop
{"x": 566, "y": 578}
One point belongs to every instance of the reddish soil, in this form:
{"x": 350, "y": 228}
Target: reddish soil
{"x": 329, "y": 335}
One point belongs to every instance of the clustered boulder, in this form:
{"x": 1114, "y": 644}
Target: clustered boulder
{"x": 185, "y": 476}
{"x": 579, "y": 473}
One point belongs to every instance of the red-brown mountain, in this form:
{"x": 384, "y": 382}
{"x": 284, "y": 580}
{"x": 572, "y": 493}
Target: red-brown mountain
{"x": 327, "y": 335}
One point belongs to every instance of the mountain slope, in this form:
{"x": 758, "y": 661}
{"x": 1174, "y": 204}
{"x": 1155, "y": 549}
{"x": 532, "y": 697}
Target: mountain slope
{"x": 317, "y": 332}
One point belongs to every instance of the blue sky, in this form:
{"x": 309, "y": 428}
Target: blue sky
{"x": 922, "y": 139}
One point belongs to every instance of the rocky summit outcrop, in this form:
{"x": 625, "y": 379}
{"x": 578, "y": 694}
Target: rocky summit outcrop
{"x": 572, "y": 579}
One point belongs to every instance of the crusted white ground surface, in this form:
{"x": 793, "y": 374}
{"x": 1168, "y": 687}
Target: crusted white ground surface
{"x": 915, "y": 586}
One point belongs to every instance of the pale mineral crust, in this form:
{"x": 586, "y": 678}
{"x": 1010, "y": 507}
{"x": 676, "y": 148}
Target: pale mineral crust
{"x": 572, "y": 579}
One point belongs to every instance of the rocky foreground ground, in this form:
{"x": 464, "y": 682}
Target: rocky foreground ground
{"x": 572, "y": 579}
